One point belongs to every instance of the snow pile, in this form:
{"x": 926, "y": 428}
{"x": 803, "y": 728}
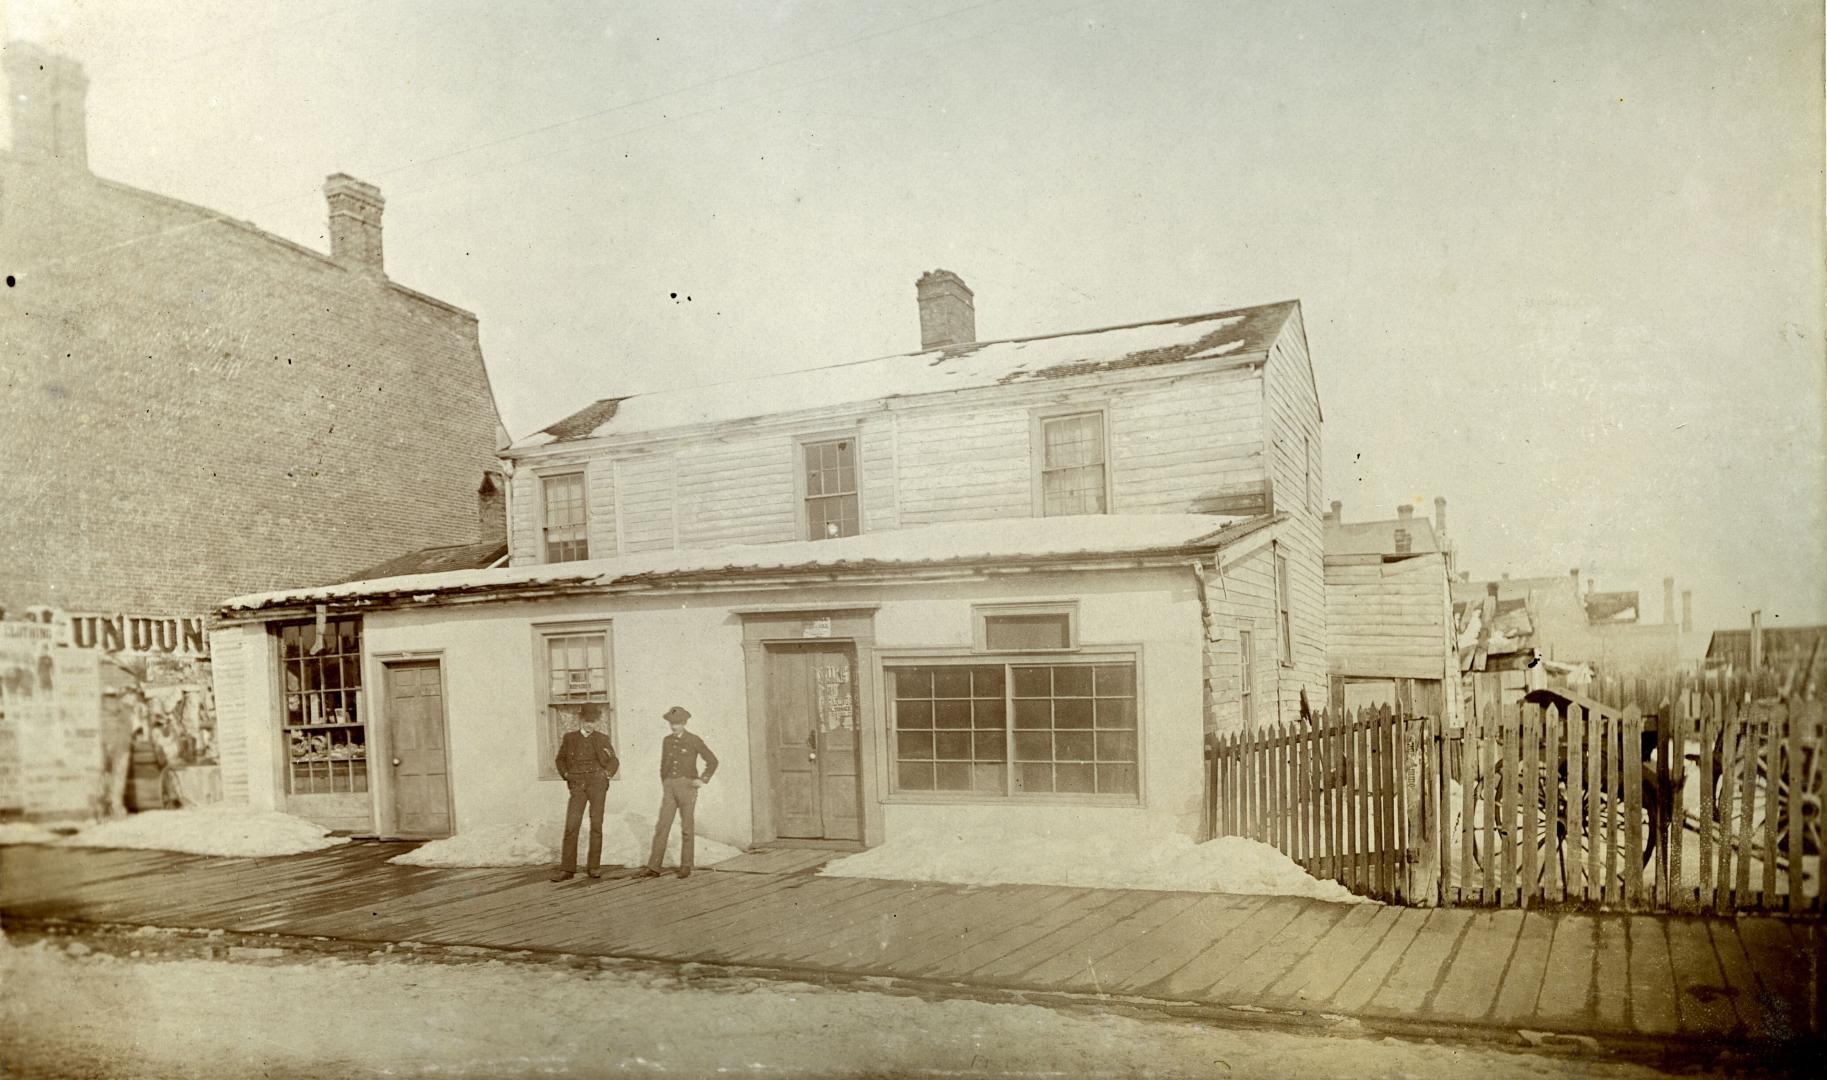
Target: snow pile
{"x": 625, "y": 840}
{"x": 1168, "y": 862}
{"x": 27, "y": 832}
{"x": 212, "y": 831}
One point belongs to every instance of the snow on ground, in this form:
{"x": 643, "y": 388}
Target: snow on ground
{"x": 70, "y": 1011}
{"x": 626, "y": 837}
{"x": 218, "y": 830}
{"x": 1169, "y": 862}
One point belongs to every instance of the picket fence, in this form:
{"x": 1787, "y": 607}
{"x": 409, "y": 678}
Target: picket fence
{"x": 1702, "y": 802}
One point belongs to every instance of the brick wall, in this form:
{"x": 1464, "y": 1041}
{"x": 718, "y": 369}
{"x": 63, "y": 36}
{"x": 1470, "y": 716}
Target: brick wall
{"x": 196, "y": 409}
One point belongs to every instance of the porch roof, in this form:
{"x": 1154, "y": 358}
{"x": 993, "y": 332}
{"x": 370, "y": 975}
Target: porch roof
{"x": 1015, "y": 541}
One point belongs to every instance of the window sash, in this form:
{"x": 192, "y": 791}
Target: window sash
{"x": 566, "y": 515}
{"x": 1281, "y": 606}
{"x": 576, "y": 670}
{"x": 1009, "y": 729}
{"x": 322, "y": 711}
{"x": 1073, "y": 479}
{"x": 831, "y": 504}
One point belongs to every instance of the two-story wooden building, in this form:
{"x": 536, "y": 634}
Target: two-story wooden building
{"x": 981, "y": 583}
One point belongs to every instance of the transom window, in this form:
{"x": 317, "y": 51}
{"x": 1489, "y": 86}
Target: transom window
{"x": 576, "y": 663}
{"x": 1035, "y": 627}
{"x": 323, "y": 719}
{"x": 1072, "y": 479}
{"x": 1015, "y": 729}
{"x": 831, "y": 505}
{"x": 566, "y": 518}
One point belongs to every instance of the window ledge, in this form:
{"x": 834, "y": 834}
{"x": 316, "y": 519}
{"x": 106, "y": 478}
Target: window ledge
{"x": 964, "y": 798}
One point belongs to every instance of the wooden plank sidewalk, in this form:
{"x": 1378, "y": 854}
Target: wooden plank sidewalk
{"x": 1634, "y": 975}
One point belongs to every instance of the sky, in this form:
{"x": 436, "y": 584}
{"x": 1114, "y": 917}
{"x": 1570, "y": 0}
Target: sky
{"x": 1561, "y": 263}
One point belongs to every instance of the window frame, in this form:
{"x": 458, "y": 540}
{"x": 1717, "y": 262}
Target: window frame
{"x": 888, "y": 660}
{"x": 1037, "y": 449}
{"x": 1246, "y": 678}
{"x": 802, "y": 498}
{"x": 359, "y": 721}
{"x": 545, "y": 733}
{"x": 1284, "y": 618}
{"x": 982, "y": 613}
{"x": 544, "y": 478}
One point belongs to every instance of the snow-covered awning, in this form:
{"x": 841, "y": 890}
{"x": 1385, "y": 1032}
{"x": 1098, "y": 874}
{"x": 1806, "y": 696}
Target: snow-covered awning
{"x": 1014, "y": 541}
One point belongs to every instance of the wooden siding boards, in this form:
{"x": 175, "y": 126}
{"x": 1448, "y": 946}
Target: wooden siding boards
{"x": 964, "y": 465}
{"x": 738, "y": 491}
{"x": 523, "y": 518}
{"x": 647, "y": 487}
{"x": 1292, "y": 441}
{"x": 1242, "y": 597}
{"x": 229, "y": 668}
{"x": 599, "y": 505}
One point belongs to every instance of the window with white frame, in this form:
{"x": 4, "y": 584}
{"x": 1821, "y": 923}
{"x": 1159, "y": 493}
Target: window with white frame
{"x": 1015, "y": 729}
{"x": 1246, "y": 678}
{"x": 575, "y": 670}
{"x": 1073, "y": 476}
{"x": 830, "y": 494}
{"x": 323, "y": 719}
{"x": 566, "y": 517}
{"x": 1281, "y": 608}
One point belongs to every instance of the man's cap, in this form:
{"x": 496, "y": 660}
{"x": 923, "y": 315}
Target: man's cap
{"x": 677, "y": 715}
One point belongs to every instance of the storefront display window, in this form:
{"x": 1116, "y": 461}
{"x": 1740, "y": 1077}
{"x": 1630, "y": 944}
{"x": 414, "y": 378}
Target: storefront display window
{"x": 324, "y": 716}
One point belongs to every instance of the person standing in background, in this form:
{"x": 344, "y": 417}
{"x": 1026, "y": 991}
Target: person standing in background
{"x": 587, "y": 762}
{"x": 679, "y": 784}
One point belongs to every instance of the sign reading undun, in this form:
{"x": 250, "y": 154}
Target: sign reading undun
{"x": 179, "y": 635}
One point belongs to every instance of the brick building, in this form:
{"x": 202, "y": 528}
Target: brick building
{"x": 195, "y": 407}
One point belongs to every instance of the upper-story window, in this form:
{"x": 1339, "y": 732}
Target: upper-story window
{"x": 831, "y": 503}
{"x": 1073, "y": 477}
{"x": 565, "y": 517}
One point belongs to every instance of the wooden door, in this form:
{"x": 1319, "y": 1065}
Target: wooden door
{"x": 812, "y": 743}
{"x": 421, "y": 784}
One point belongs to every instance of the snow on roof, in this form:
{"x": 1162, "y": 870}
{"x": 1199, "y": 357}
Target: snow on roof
{"x": 1006, "y": 540}
{"x": 1239, "y": 333}
{"x": 1379, "y": 537}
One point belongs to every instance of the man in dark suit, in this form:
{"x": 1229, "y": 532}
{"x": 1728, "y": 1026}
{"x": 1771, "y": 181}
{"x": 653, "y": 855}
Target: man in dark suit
{"x": 679, "y": 784}
{"x": 586, "y": 761}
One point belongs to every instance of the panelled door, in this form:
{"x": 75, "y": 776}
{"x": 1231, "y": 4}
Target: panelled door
{"x": 812, "y": 719}
{"x": 415, "y": 715}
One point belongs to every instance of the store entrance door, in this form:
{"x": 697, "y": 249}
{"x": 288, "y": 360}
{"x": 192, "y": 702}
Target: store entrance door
{"x": 421, "y": 781}
{"x": 812, "y": 722}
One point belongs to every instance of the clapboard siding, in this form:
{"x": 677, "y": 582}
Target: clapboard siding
{"x": 1173, "y": 442}
{"x": 645, "y": 487}
{"x": 1242, "y": 597}
{"x": 877, "y": 476}
{"x": 599, "y": 505}
{"x": 1292, "y": 416}
{"x": 736, "y": 492}
{"x": 963, "y": 465}
{"x": 1387, "y": 620}
{"x": 523, "y": 525}
{"x": 230, "y": 662}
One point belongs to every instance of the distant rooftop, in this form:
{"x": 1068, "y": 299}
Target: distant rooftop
{"x": 1240, "y": 334}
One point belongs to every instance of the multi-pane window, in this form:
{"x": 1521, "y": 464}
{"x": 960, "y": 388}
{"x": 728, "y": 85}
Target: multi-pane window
{"x": 323, "y": 718}
{"x": 1016, "y": 729}
{"x": 831, "y": 505}
{"x": 1281, "y": 608}
{"x": 565, "y": 518}
{"x": 576, "y": 677}
{"x": 1246, "y": 693}
{"x": 1072, "y": 479}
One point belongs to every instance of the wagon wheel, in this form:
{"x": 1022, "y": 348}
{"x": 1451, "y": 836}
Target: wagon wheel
{"x": 1807, "y": 793}
{"x": 1549, "y": 827}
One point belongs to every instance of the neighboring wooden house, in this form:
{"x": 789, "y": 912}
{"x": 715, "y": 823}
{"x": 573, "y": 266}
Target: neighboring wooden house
{"x": 982, "y": 583}
{"x": 1389, "y": 620}
{"x": 1604, "y": 631}
{"x": 1798, "y": 652}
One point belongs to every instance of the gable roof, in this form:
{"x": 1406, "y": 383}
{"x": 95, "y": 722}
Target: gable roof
{"x": 433, "y": 560}
{"x": 1237, "y": 334}
{"x": 1379, "y": 537}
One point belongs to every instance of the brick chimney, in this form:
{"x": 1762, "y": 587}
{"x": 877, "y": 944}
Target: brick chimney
{"x": 1405, "y": 538}
{"x": 948, "y": 310}
{"x": 1337, "y": 517}
{"x": 1687, "y": 611}
{"x": 1668, "y": 601}
{"x": 1440, "y": 515}
{"x": 355, "y": 222}
{"x": 491, "y": 508}
{"x": 50, "y": 95}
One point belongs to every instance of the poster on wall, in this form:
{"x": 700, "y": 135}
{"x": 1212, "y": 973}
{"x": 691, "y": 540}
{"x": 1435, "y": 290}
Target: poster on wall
{"x": 50, "y": 712}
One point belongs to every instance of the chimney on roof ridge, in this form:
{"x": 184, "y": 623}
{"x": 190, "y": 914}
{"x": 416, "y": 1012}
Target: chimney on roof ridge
{"x": 1338, "y": 512}
{"x": 1405, "y": 541}
{"x": 355, "y": 222}
{"x": 50, "y": 95}
{"x": 948, "y": 310}
{"x": 1440, "y": 514}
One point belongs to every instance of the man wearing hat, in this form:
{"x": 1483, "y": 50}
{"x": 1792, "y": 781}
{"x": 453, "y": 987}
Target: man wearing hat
{"x": 586, "y": 761}
{"x": 679, "y": 784}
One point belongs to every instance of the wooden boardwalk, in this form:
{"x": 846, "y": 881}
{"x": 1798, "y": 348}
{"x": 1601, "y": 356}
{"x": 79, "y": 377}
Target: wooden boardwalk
{"x": 1635, "y": 975}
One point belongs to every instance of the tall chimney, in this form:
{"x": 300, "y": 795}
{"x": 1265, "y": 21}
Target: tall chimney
{"x": 1338, "y": 512}
{"x": 491, "y": 508}
{"x": 1668, "y": 601}
{"x": 1687, "y": 611}
{"x": 1405, "y": 540}
{"x": 355, "y": 222}
{"x": 1440, "y": 514}
{"x": 948, "y": 310}
{"x": 50, "y": 95}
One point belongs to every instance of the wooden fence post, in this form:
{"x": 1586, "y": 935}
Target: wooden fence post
{"x": 1420, "y": 854}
